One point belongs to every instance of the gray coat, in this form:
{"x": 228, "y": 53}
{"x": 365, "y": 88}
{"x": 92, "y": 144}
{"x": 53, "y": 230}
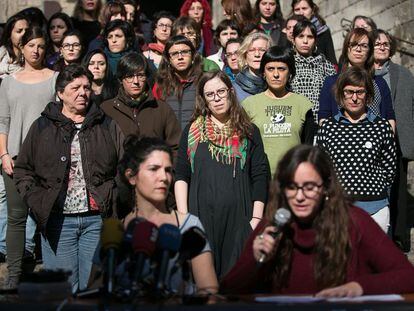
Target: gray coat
{"x": 402, "y": 93}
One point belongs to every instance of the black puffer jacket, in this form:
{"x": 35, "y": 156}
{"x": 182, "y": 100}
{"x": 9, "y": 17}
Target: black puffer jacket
{"x": 42, "y": 167}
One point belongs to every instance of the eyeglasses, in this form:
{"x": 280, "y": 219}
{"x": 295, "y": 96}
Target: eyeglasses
{"x": 189, "y": 34}
{"x": 68, "y": 46}
{"x": 178, "y": 54}
{"x": 161, "y": 25}
{"x": 384, "y": 45}
{"x": 221, "y": 93}
{"x": 356, "y": 45}
{"x": 140, "y": 77}
{"x": 230, "y": 54}
{"x": 350, "y": 93}
{"x": 254, "y": 51}
{"x": 309, "y": 189}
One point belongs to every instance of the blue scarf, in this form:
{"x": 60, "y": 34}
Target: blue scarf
{"x": 250, "y": 83}
{"x": 114, "y": 58}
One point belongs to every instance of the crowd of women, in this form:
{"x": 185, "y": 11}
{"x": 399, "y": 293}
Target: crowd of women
{"x": 111, "y": 114}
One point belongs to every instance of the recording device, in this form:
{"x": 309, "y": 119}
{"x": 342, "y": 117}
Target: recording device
{"x": 111, "y": 241}
{"x": 143, "y": 245}
{"x": 281, "y": 218}
{"x": 168, "y": 244}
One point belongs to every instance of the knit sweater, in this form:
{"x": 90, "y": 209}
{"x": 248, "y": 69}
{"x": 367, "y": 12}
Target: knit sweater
{"x": 374, "y": 262}
{"x": 363, "y": 154}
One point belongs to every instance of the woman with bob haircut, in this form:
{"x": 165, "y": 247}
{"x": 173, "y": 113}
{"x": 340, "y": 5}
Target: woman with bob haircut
{"x": 249, "y": 81}
{"x": 69, "y": 188}
{"x": 104, "y": 86}
{"x": 269, "y": 17}
{"x": 119, "y": 40}
{"x": 71, "y": 50}
{"x": 200, "y": 11}
{"x": 310, "y": 10}
{"x": 10, "y": 42}
{"x": 311, "y": 67}
{"x": 177, "y": 77}
{"x": 222, "y": 170}
{"x": 358, "y": 51}
{"x": 135, "y": 109}
{"x": 24, "y": 95}
{"x": 284, "y": 118}
{"x": 361, "y": 146}
{"x": 328, "y": 249}
{"x": 226, "y": 30}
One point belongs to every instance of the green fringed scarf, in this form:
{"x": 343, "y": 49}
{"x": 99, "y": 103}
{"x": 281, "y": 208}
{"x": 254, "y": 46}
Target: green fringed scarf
{"x": 224, "y": 144}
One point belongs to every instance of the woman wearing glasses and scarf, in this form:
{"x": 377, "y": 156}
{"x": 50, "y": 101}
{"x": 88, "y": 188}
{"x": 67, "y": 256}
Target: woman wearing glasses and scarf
{"x": 222, "y": 170}
{"x": 361, "y": 146}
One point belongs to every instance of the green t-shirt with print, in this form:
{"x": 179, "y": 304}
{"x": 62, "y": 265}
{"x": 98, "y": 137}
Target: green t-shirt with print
{"x": 280, "y": 122}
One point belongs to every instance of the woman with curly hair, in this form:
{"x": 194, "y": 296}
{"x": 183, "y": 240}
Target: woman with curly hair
{"x": 222, "y": 170}
{"x": 328, "y": 249}
{"x": 200, "y": 11}
{"x": 176, "y": 79}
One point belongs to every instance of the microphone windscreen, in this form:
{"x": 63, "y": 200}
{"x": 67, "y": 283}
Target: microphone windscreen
{"x": 129, "y": 232}
{"x": 145, "y": 238}
{"x": 111, "y": 234}
{"x": 169, "y": 238}
{"x": 282, "y": 216}
{"x": 193, "y": 242}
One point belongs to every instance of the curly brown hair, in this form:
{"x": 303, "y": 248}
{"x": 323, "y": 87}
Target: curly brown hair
{"x": 239, "y": 119}
{"x": 331, "y": 222}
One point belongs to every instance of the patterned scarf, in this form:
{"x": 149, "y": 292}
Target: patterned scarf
{"x": 319, "y": 27}
{"x": 224, "y": 144}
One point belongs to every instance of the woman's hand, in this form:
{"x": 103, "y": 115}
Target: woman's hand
{"x": 351, "y": 289}
{"x": 265, "y": 244}
{"x": 8, "y": 164}
{"x": 254, "y": 222}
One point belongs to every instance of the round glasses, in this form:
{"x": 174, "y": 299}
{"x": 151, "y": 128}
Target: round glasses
{"x": 309, "y": 189}
{"x": 140, "y": 77}
{"x": 220, "y": 93}
{"x": 384, "y": 45}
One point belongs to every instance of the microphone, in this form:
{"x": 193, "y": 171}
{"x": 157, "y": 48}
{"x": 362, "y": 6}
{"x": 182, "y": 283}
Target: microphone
{"x": 281, "y": 218}
{"x": 168, "y": 243}
{"x": 143, "y": 244}
{"x": 129, "y": 233}
{"x": 193, "y": 242}
{"x": 111, "y": 240}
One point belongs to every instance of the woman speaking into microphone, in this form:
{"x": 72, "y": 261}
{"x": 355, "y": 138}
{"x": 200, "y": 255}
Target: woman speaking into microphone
{"x": 330, "y": 248}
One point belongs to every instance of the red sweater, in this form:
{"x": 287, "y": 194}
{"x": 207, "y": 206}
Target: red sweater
{"x": 374, "y": 262}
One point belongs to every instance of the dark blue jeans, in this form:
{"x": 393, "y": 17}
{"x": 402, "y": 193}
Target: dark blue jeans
{"x": 70, "y": 244}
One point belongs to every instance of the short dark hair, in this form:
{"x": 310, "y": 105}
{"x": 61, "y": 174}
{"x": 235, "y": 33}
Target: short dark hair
{"x": 75, "y": 33}
{"x": 161, "y": 14}
{"x": 301, "y": 26}
{"x": 391, "y": 39}
{"x": 223, "y": 25}
{"x": 280, "y": 54}
{"x": 238, "y": 40}
{"x": 187, "y": 22}
{"x": 130, "y": 64}
{"x": 125, "y": 27}
{"x": 354, "y": 76}
{"x": 70, "y": 73}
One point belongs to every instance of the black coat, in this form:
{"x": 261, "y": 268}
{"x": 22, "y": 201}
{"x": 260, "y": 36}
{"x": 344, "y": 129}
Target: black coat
{"x": 41, "y": 171}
